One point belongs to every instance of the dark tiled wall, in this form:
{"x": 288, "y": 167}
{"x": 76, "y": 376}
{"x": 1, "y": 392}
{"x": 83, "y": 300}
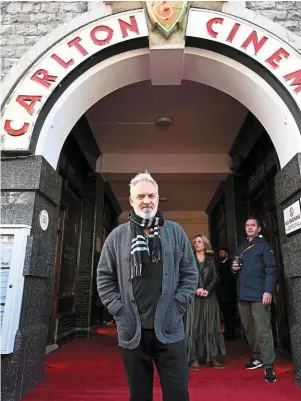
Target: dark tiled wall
{"x": 288, "y": 190}
{"x": 30, "y": 185}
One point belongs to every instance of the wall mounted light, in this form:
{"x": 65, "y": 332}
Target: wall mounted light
{"x": 164, "y": 122}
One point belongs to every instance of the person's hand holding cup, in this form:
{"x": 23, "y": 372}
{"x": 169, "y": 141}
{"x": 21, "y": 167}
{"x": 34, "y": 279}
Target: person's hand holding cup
{"x": 236, "y": 264}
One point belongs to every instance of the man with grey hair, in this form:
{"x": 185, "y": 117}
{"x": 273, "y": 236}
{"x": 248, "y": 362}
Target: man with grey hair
{"x": 147, "y": 277}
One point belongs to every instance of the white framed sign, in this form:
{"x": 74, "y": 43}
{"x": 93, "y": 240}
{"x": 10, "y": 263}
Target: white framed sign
{"x": 292, "y": 217}
{"x": 13, "y": 247}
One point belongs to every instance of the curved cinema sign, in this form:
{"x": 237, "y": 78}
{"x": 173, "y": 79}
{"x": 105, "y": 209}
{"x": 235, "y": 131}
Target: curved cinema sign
{"x": 27, "y": 99}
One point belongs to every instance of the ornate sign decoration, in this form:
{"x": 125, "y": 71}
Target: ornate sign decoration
{"x": 166, "y": 15}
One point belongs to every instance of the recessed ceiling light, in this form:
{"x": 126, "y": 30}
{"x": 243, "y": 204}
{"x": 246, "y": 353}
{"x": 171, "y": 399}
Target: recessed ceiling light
{"x": 164, "y": 122}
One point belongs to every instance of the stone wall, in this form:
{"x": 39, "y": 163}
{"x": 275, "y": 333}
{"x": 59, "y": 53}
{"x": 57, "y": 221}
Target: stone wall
{"x": 23, "y": 23}
{"x": 285, "y": 13}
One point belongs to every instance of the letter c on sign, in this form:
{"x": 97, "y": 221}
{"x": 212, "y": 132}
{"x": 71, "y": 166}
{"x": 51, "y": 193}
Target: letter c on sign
{"x": 15, "y": 132}
{"x": 210, "y": 23}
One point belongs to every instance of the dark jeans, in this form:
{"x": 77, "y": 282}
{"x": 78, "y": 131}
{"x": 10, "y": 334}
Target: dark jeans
{"x": 229, "y": 315}
{"x": 255, "y": 312}
{"x": 171, "y": 364}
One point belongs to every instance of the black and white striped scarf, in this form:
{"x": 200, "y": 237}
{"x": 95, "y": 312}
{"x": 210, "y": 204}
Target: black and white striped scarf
{"x": 145, "y": 249}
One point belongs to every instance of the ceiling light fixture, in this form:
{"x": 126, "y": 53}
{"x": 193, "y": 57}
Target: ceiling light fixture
{"x": 164, "y": 122}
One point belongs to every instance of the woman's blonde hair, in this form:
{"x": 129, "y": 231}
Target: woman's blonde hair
{"x": 207, "y": 244}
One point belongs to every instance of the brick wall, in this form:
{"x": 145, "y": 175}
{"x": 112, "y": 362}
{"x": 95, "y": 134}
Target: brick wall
{"x": 86, "y": 294}
{"x": 84, "y": 278}
{"x": 66, "y": 329}
{"x": 23, "y": 23}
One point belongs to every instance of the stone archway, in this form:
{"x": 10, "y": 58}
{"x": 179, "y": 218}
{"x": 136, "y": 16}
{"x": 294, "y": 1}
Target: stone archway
{"x": 59, "y": 78}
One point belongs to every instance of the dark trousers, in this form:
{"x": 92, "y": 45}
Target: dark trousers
{"x": 251, "y": 314}
{"x": 171, "y": 364}
{"x": 229, "y": 315}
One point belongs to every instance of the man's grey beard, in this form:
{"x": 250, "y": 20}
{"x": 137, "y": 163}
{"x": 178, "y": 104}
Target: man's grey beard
{"x": 146, "y": 215}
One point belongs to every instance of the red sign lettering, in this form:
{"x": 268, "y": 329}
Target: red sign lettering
{"x": 75, "y": 42}
{"x": 277, "y": 56}
{"x": 43, "y": 78}
{"x": 15, "y": 132}
{"x": 61, "y": 62}
{"x": 233, "y": 32}
{"x": 296, "y": 76}
{"x": 210, "y": 23}
{"x": 102, "y": 28}
{"x": 28, "y": 102}
{"x": 125, "y": 26}
{"x": 253, "y": 38}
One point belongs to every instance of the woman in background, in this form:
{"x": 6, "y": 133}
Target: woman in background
{"x": 204, "y": 338}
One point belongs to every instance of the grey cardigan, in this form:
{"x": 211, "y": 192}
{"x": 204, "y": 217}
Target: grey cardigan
{"x": 179, "y": 284}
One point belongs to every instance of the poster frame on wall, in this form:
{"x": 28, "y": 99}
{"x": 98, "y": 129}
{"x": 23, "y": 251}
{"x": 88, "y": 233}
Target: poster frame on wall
{"x": 13, "y": 250}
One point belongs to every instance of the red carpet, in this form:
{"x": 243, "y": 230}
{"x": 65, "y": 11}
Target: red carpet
{"x": 91, "y": 370}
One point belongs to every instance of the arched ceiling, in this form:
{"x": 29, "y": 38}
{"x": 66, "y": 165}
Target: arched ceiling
{"x": 189, "y": 159}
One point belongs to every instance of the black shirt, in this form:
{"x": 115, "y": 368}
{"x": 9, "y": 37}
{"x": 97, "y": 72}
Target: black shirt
{"x": 147, "y": 291}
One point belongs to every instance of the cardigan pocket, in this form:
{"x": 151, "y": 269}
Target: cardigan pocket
{"x": 172, "y": 318}
{"x": 124, "y": 330}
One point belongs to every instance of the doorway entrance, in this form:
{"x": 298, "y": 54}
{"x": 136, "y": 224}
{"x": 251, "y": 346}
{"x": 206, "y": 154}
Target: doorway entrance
{"x": 130, "y": 140}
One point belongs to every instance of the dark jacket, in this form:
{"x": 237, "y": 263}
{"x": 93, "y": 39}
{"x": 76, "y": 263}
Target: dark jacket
{"x": 226, "y": 288}
{"x": 178, "y": 287}
{"x": 208, "y": 276}
{"x": 257, "y": 274}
